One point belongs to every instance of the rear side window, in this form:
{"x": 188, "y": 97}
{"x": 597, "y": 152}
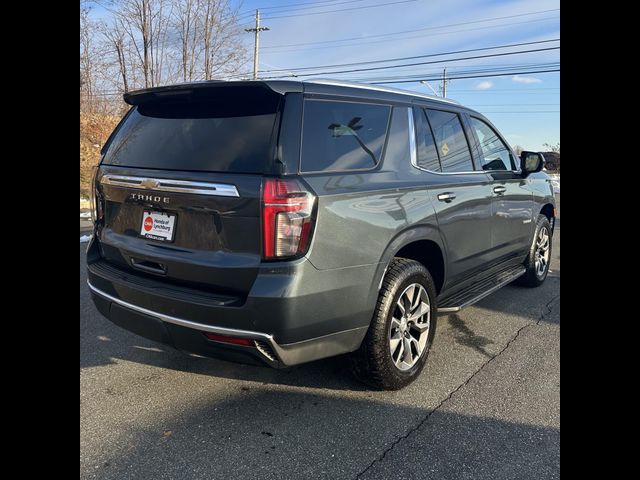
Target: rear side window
{"x": 202, "y": 137}
{"x": 495, "y": 154}
{"x": 342, "y": 135}
{"x": 451, "y": 141}
{"x": 427, "y": 153}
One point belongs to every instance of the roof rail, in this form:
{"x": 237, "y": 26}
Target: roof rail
{"x": 369, "y": 86}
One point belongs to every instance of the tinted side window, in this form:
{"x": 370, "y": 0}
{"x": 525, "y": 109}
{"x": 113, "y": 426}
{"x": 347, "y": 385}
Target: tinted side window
{"x": 451, "y": 141}
{"x": 342, "y": 135}
{"x": 427, "y": 153}
{"x": 495, "y": 154}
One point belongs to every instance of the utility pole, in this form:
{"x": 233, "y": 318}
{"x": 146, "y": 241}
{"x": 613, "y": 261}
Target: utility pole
{"x": 444, "y": 83}
{"x": 256, "y": 31}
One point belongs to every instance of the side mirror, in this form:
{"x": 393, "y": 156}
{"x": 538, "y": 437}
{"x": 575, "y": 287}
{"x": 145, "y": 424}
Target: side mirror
{"x": 531, "y": 162}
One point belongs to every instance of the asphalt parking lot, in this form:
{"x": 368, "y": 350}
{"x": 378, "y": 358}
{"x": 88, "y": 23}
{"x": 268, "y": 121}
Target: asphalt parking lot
{"x": 485, "y": 407}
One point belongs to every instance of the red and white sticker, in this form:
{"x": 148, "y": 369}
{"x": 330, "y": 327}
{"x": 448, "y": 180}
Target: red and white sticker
{"x": 158, "y": 226}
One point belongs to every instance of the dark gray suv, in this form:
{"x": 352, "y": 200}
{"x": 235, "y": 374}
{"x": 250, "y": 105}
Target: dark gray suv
{"x": 283, "y": 222}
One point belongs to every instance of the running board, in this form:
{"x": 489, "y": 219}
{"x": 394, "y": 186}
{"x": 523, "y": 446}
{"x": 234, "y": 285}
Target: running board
{"x": 479, "y": 290}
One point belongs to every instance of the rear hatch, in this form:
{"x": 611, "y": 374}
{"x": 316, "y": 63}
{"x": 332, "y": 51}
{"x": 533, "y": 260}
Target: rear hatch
{"x": 180, "y": 185}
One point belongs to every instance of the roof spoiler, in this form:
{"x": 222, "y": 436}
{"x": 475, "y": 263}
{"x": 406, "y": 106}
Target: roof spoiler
{"x": 200, "y": 91}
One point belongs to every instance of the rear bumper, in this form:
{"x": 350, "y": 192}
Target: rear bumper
{"x": 187, "y": 335}
{"x": 293, "y": 313}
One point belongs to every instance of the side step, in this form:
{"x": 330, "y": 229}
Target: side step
{"x": 479, "y": 290}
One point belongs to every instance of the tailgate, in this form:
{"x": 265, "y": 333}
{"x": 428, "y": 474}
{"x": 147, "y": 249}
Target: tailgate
{"x": 180, "y": 181}
{"x": 214, "y": 241}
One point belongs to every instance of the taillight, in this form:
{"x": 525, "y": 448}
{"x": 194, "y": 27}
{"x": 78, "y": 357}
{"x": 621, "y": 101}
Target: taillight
{"x": 95, "y": 200}
{"x": 287, "y": 222}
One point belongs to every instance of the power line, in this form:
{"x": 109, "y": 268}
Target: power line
{"x": 417, "y": 78}
{"x": 486, "y": 93}
{"x": 510, "y": 104}
{"x": 411, "y": 31}
{"x": 483, "y": 92}
{"x": 465, "y": 77}
{"x": 341, "y": 9}
{"x": 414, "y": 64}
{"x": 514, "y": 90}
{"x": 304, "y": 6}
{"x": 528, "y": 111}
{"x": 396, "y": 59}
{"x": 276, "y": 14}
{"x": 497, "y": 91}
{"x": 448, "y": 32}
{"x": 528, "y": 67}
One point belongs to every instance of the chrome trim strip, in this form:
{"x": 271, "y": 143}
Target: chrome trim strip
{"x": 447, "y": 310}
{"x": 413, "y": 150}
{"x": 170, "y": 185}
{"x": 186, "y": 323}
{"x": 475, "y": 172}
{"x": 287, "y": 354}
{"x": 414, "y": 155}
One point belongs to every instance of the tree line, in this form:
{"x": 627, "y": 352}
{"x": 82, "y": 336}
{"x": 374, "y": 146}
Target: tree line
{"x": 146, "y": 43}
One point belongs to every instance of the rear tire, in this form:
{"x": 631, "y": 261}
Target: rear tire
{"x": 539, "y": 257}
{"x": 396, "y": 346}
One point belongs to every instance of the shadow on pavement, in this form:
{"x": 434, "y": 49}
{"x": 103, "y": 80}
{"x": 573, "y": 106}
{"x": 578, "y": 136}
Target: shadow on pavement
{"x": 256, "y": 433}
{"x": 465, "y": 336}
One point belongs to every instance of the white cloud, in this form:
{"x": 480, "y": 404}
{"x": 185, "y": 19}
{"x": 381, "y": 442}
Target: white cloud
{"x": 486, "y": 85}
{"x": 521, "y": 79}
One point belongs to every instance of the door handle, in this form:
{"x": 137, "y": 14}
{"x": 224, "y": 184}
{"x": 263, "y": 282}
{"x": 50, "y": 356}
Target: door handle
{"x": 446, "y": 196}
{"x": 499, "y": 190}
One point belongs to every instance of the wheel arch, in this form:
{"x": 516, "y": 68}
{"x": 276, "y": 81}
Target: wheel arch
{"x": 549, "y": 211}
{"x": 423, "y": 244}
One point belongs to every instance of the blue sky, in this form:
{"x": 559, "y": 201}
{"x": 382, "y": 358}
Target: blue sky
{"x": 525, "y": 108}
{"x": 535, "y": 97}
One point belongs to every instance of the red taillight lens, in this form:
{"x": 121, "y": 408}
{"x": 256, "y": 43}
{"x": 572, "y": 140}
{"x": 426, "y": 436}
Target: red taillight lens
{"x": 95, "y": 200}
{"x": 287, "y": 221}
{"x": 235, "y": 340}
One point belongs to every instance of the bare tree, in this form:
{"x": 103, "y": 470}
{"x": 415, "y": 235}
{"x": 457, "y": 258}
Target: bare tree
{"x": 135, "y": 17}
{"x": 553, "y": 156}
{"x": 223, "y": 52}
{"x": 86, "y": 60}
{"x": 146, "y": 43}
{"x": 160, "y": 23}
{"x": 518, "y": 149}
{"x": 114, "y": 36}
{"x": 553, "y": 148}
{"x": 186, "y": 16}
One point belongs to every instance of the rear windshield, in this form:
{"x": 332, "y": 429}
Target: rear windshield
{"x": 202, "y": 136}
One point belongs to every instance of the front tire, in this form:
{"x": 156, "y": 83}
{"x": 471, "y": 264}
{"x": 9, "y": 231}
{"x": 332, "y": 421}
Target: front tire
{"x": 395, "y": 348}
{"x": 539, "y": 257}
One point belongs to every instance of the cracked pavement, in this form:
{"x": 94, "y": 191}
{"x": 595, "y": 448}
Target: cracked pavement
{"x": 485, "y": 406}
